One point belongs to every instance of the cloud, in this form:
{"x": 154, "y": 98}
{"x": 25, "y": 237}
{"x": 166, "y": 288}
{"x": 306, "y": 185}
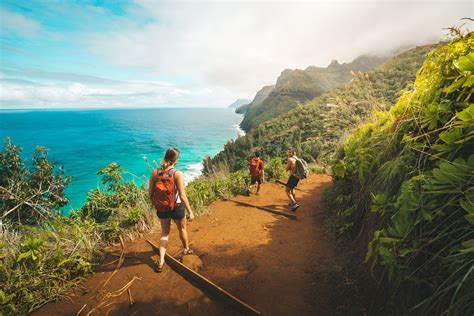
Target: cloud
{"x": 93, "y": 92}
{"x": 150, "y": 53}
{"x": 12, "y": 22}
{"x": 243, "y": 46}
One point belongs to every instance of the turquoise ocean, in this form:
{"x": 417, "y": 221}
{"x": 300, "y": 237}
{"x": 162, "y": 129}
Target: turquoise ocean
{"x": 85, "y": 141}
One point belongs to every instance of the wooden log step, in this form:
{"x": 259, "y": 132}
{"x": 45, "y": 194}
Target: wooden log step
{"x": 207, "y": 286}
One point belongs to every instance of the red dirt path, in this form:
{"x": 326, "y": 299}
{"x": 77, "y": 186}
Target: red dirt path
{"x": 277, "y": 265}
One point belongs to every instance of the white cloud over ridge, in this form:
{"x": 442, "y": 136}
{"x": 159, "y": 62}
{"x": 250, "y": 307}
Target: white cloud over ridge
{"x": 243, "y": 46}
{"x": 211, "y": 53}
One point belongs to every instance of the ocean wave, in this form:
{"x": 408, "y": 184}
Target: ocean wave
{"x": 192, "y": 172}
{"x": 240, "y": 132}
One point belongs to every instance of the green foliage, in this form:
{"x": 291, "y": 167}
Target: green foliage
{"x": 206, "y": 189}
{"x": 101, "y": 204}
{"x": 30, "y": 195}
{"x": 411, "y": 173}
{"x": 43, "y": 255}
{"x": 315, "y": 127}
{"x": 134, "y": 216}
{"x": 31, "y": 249}
{"x": 275, "y": 169}
{"x": 40, "y": 264}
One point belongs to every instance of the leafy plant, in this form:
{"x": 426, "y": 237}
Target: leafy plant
{"x": 275, "y": 169}
{"x": 134, "y": 216}
{"x": 30, "y": 195}
{"x": 31, "y": 249}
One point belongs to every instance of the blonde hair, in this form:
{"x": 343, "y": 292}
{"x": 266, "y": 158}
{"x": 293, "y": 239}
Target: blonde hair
{"x": 170, "y": 158}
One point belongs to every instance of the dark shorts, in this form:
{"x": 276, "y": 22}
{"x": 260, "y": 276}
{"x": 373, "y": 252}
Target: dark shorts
{"x": 292, "y": 182}
{"x": 177, "y": 213}
{"x": 256, "y": 179}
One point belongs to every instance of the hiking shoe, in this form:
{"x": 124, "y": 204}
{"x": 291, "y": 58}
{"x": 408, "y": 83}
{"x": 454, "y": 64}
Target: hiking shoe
{"x": 294, "y": 207}
{"x": 158, "y": 268}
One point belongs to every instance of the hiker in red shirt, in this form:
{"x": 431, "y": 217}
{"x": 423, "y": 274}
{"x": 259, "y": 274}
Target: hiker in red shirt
{"x": 256, "y": 170}
{"x": 168, "y": 196}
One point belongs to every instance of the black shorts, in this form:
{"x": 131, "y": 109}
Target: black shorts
{"x": 256, "y": 179}
{"x": 177, "y": 213}
{"x": 292, "y": 182}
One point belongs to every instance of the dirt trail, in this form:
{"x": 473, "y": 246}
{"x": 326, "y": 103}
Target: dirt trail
{"x": 277, "y": 265}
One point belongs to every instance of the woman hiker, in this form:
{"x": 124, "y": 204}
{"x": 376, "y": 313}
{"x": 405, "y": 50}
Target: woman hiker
{"x": 168, "y": 196}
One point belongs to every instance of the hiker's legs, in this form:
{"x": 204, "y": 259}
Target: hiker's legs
{"x": 183, "y": 234}
{"x": 290, "y": 194}
{"x": 165, "y": 231}
{"x": 293, "y": 194}
{"x": 258, "y": 187}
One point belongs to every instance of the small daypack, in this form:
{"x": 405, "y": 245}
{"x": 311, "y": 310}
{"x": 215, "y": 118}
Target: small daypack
{"x": 254, "y": 170}
{"x": 302, "y": 170}
{"x": 164, "y": 193}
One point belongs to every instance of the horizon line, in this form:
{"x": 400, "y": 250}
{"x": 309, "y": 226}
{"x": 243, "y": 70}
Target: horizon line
{"x": 117, "y": 108}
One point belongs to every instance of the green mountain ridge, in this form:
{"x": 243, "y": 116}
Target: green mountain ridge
{"x": 316, "y": 127}
{"x": 261, "y": 95}
{"x": 294, "y": 87}
{"x": 238, "y": 103}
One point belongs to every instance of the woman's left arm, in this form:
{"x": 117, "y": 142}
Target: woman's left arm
{"x": 182, "y": 193}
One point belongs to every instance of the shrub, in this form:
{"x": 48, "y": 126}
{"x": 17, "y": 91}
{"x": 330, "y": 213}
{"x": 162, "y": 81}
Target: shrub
{"x": 43, "y": 255}
{"x": 40, "y": 264}
{"x": 275, "y": 169}
{"x": 30, "y": 195}
{"x": 206, "y": 189}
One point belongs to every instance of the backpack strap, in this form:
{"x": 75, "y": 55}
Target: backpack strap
{"x": 171, "y": 172}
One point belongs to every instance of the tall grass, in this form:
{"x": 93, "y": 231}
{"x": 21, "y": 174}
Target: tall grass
{"x": 408, "y": 178}
{"x": 219, "y": 185}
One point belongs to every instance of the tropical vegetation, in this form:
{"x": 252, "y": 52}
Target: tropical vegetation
{"x": 44, "y": 254}
{"x": 405, "y": 182}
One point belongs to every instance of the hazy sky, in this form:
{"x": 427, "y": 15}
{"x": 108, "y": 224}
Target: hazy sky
{"x": 156, "y": 53}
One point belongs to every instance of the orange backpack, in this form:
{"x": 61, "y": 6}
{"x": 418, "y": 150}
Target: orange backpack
{"x": 164, "y": 193}
{"x": 254, "y": 167}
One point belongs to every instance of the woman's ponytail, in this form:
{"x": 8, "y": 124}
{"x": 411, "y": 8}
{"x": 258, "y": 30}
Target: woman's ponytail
{"x": 170, "y": 158}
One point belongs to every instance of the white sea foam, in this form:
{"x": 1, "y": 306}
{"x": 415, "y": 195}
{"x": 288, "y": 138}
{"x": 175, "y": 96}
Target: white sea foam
{"x": 240, "y": 131}
{"x": 192, "y": 172}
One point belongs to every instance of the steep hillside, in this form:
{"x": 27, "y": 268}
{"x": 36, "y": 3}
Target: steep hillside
{"x": 261, "y": 95}
{"x": 296, "y": 86}
{"x": 316, "y": 127}
{"x": 238, "y": 103}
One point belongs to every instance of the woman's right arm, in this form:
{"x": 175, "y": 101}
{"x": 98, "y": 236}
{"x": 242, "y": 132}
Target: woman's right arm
{"x": 151, "y": 184}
